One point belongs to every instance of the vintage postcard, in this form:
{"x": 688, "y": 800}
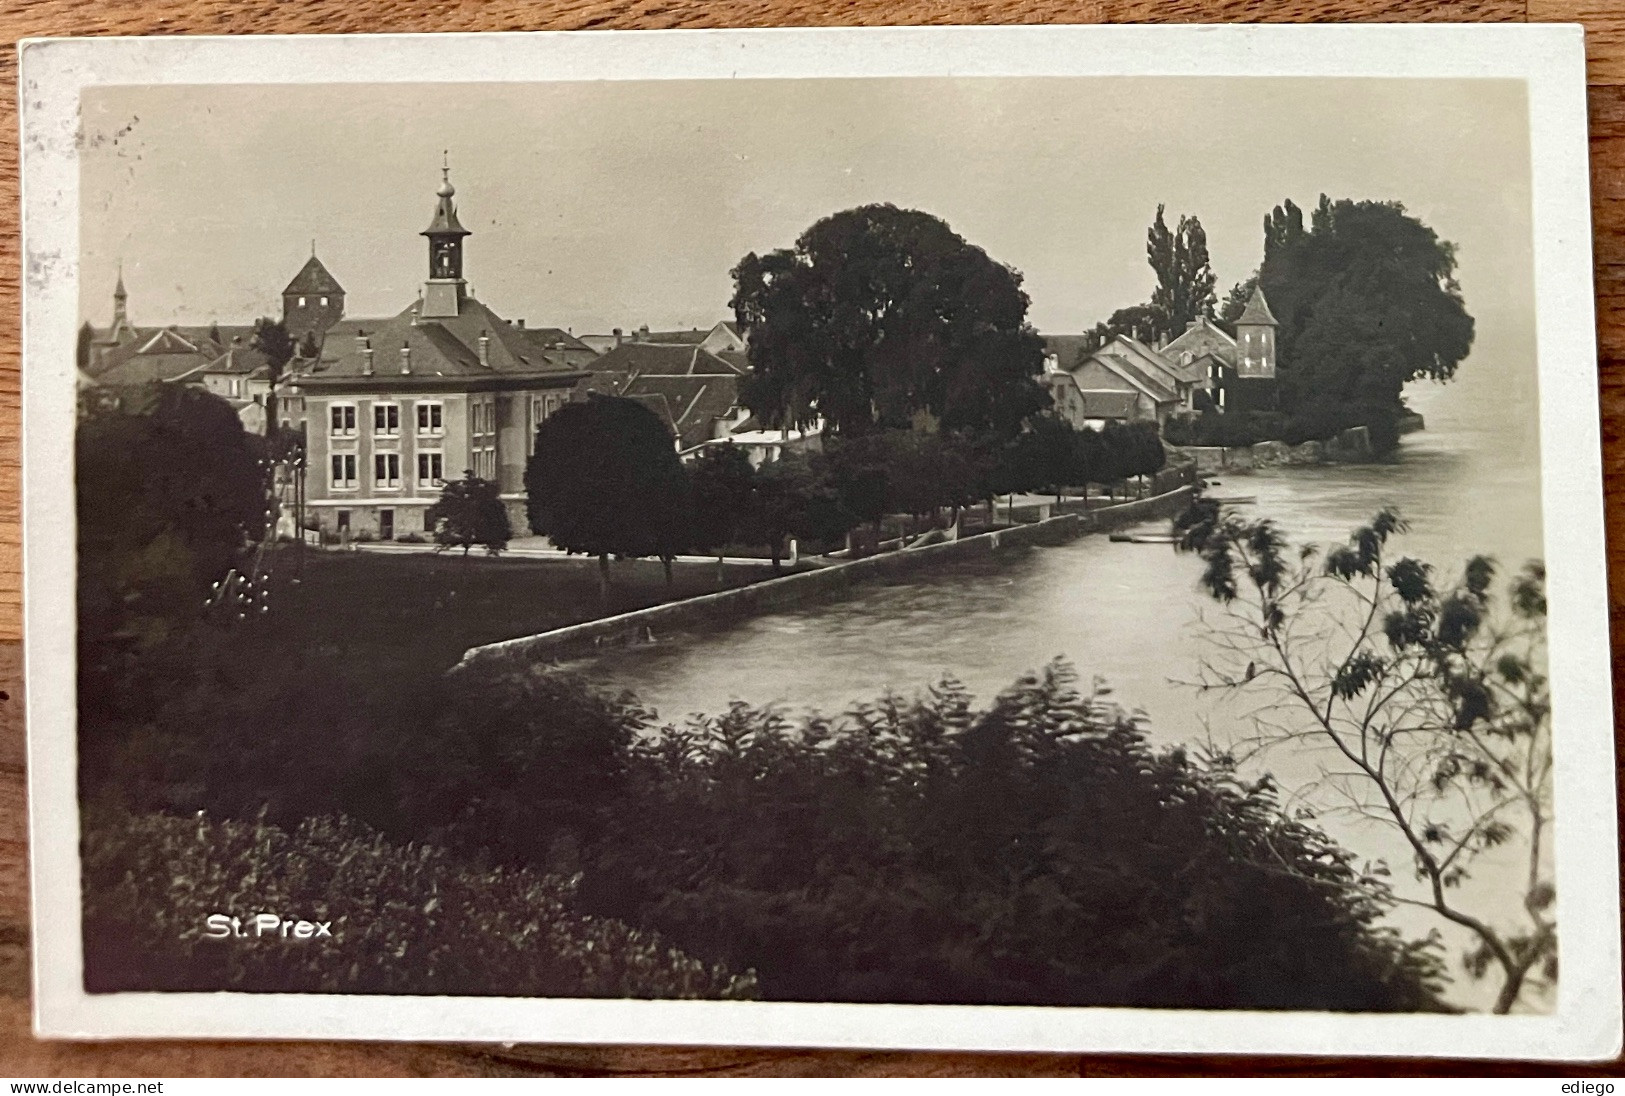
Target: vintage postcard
{"x": 1011, "y": 538}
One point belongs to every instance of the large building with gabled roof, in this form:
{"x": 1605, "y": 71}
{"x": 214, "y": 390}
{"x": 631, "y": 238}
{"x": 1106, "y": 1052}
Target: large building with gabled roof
{"x": 393, "y": 407}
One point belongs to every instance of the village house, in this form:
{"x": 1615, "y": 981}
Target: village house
{"x": 394, "y": 407}
{"x": 217, "y": 358}
{"x": 1238, "y": 374}
{"x": 1126, "y": 380}
{"x": 719, "y": 337}
{"x": 694, "y": 390}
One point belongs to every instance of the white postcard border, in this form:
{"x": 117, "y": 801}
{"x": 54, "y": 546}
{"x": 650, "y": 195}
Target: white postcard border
{"x": 1587, "y": 1020}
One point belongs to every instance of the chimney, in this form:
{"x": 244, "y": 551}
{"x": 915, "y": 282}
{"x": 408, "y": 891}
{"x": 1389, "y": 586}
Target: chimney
{"x": 416, "y": 309}
{"x": 485, "y": 350}
{"x": 1192, "y": 325}
{"x": 643, "y": 332}
{"x": 521, "y": 322}
{"x": 617, "y": 334}
{"x": 406, "y": 358}
{"x": 366, "y": 355}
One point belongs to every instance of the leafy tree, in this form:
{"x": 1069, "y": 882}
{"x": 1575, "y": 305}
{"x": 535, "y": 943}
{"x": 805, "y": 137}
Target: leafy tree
{"x": 1367, "y": 301}
{"x": 1139, "y": 450}
{"x": 470, "y": 511}
{"x": 1044, "y": 455}
{"x": 878, "y": 315}
{"x": 858, "y": 467}
{"x": 169, "y": 500}
{"x": 723, "y": 480}
{"x": 308, "y": 348}
{"x": 1429, "y": 698}
{"x": 1184, "y": 279}
{"x": 605, "y": 480}
{"x": 81, "y": 348}
{"x": 271, "y": 338}
{"x": 796, "y": 497}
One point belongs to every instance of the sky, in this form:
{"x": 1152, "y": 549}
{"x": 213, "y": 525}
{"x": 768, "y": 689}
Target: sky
{"x": 620, "y": 203}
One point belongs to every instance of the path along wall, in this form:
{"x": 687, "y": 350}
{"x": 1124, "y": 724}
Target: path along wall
{"x": 727, "y": 605}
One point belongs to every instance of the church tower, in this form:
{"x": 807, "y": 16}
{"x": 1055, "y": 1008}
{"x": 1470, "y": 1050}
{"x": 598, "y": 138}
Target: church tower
{"x": 445, "y": 290}
{"x": 121, "y": 315}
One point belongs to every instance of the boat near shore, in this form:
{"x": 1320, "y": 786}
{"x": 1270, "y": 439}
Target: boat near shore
{"x": 1144, "y": 538}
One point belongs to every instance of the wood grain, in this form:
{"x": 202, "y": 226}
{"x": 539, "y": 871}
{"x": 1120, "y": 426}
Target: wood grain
{"x": 21, "y": 1055}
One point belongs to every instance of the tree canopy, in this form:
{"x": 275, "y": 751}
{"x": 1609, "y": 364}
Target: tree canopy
{"x": 605, "y": 480}
{"x": 1367, "y": 301}
{"x": 1184, "y": 279}
{"x": 168, "y": 499}
{"x": 879, "y": 315}
{"x": 1429, "y": 698}
{"x": 470, "y": 511}
{"x": 271, "y": 338}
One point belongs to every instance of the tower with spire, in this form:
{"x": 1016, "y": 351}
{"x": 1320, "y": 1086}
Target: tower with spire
{"x": 313, "y": 301}
{"x": 121, "y": 299}
{"x": 445, "y": 291}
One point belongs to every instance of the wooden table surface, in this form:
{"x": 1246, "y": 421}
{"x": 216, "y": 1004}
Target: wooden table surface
{"x": 23, "y": 1056}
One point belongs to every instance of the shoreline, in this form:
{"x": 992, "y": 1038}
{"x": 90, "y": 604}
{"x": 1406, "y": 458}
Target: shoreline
{"x": 726, "y": 606}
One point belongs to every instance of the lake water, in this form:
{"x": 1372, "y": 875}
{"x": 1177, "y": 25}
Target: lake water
{"x": 1126, "y": 613}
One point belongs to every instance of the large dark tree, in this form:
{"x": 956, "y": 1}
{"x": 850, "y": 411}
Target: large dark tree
{"x": 723, "y": 481}
{"x": 605, "y": 481}
{"x": 168, "y": 500}
{"x": 469, "y": 512}
{"x": 796, "y": 496}
{"x": 1367, "y": 301}
{"x": 882, "y": 317}
{"x": 1184, "y": 279}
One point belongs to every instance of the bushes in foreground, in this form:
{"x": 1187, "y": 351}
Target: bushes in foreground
{"x": 404, "y": 918}
{"x": 1032, "y": 850}
{"x": 1035, "y": 851}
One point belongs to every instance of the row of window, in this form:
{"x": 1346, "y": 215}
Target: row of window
{"x": 386, "y": 419}
{"x": 431, "y": 416}
{"x": 386, "y": 470}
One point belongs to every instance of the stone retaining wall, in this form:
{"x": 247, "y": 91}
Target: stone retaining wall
{"x": 727, "y": 605}
{"x": 1352, "y": 446}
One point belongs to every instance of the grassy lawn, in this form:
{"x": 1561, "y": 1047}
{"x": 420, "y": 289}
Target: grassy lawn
{"x": 427, "y": 609}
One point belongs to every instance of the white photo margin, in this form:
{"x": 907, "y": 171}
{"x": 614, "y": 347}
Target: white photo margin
{"x": 1586, "y": 1023}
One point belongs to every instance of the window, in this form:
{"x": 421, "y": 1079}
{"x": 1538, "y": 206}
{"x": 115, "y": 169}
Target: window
{"x": 387, "y": 469}
{"x": 432, "y": 469}
{"x": 301, "y": 302}
{"x": 343, "y": 419}
{"x": 386, "y": 419}
{"x": 431, "y": 418}
{"x": 344, "y": 519}
{"x": 324, "y": 302}
{"x": 344, "y": 471}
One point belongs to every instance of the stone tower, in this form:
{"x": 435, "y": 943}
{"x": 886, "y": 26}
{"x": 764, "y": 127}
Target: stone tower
{"x": 1254, "y": 387}
{"x": 313, "y": 301}
{"x": 1255, "y": 340}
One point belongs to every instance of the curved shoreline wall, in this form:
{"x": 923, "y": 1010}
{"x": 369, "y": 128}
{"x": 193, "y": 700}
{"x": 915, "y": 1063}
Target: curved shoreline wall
{"x": 730, "y": 605}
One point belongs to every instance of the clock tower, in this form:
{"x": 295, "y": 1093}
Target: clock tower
{"x": 445, "y": 290}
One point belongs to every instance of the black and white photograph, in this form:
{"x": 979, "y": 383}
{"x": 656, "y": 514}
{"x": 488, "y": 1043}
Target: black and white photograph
{"x": 1123, "y": 544}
